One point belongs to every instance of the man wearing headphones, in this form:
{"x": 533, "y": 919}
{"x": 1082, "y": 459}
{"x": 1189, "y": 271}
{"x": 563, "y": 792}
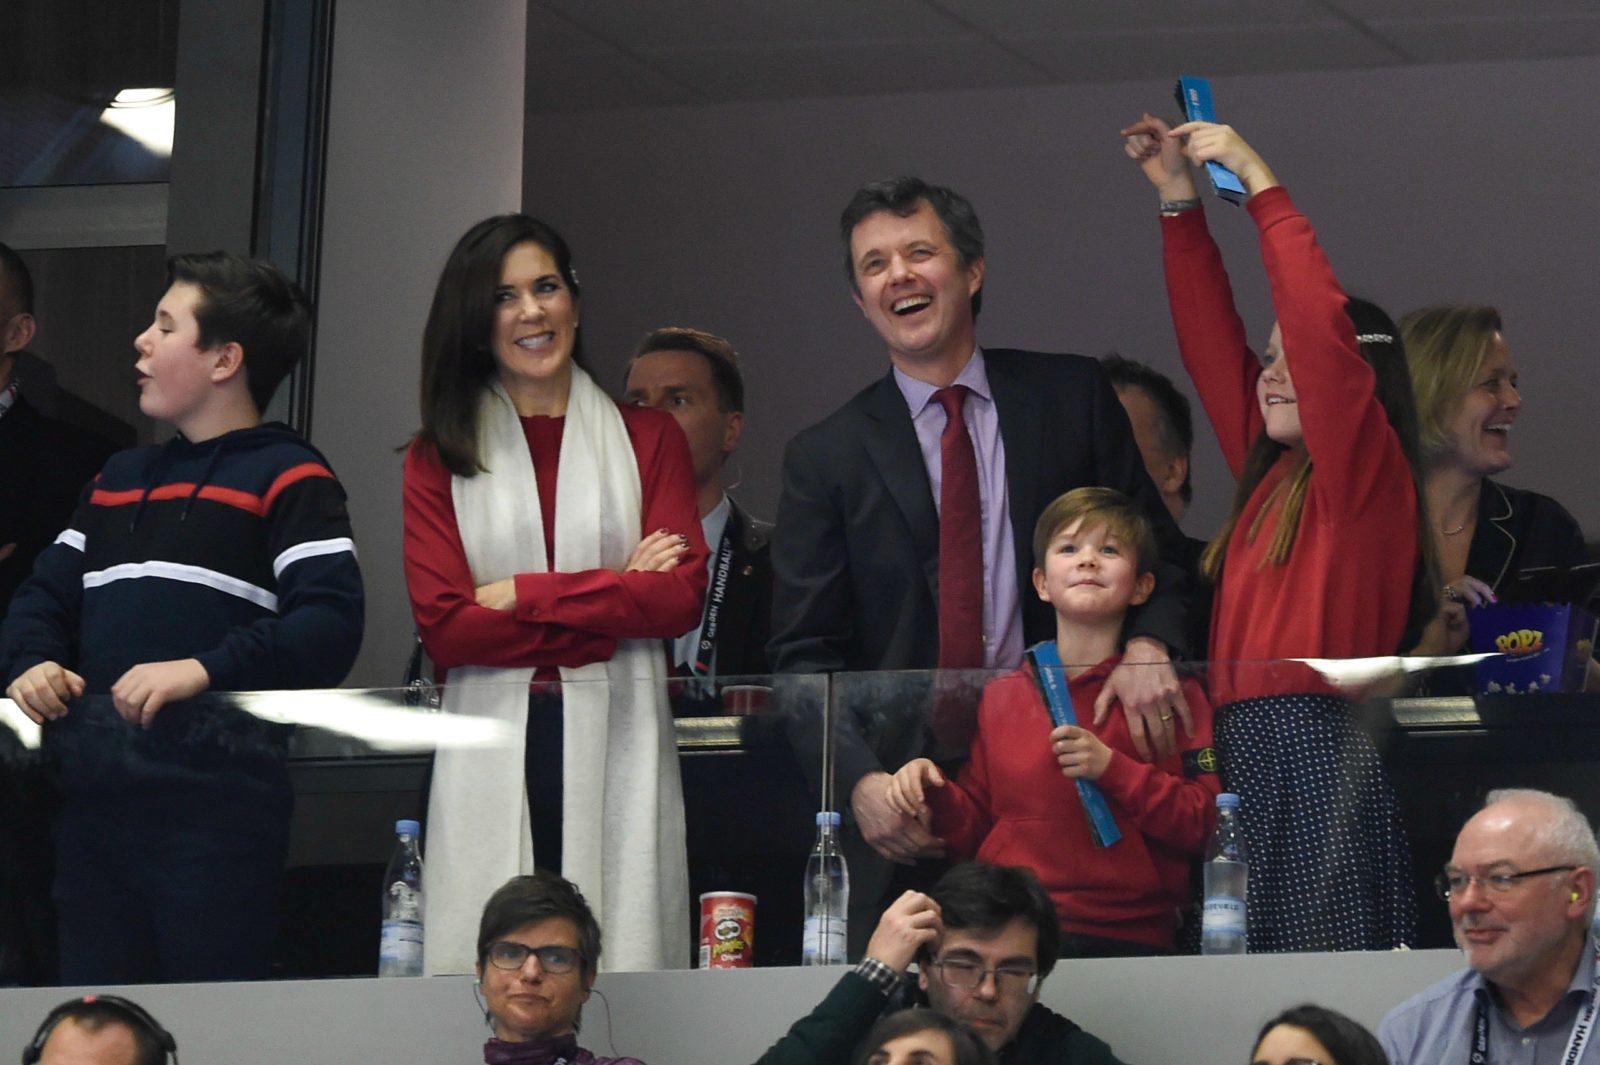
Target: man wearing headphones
{"x": 100, "y": 1030}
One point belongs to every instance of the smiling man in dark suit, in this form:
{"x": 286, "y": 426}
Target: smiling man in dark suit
{"x": 903, "y": 529}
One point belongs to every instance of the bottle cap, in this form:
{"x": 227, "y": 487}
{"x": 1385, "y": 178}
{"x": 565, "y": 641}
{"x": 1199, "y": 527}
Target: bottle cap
{"x": 1228, "y": 799}
{"x": 407, "y": 827}
{"x": 828, "y": 817}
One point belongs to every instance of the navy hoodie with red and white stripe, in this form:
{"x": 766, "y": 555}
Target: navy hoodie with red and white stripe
{"x": 235, "y": 551}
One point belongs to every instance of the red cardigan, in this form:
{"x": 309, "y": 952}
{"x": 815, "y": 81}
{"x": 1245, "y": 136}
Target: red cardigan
{"x": 561, "y": 619}
{"x": 1345, "y": 589}
{"x": 1010, "y": 805}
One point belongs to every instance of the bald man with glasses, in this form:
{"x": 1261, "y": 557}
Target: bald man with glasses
{"x": 1521, "y": 890}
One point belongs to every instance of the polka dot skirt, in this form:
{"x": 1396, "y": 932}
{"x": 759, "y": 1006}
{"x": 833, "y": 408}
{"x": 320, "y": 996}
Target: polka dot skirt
{"x": 1330, "y": 868}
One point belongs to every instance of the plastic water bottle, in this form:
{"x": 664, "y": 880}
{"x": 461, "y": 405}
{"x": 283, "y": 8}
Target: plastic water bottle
{"x": 1227, "y": 876}
{"x": 827, "y": 897}
{"x": 400, "y": 950}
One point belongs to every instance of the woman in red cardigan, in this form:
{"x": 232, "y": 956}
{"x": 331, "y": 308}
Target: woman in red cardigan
{"x": 551, "y": 542}
{"x": 1324, "y": 554}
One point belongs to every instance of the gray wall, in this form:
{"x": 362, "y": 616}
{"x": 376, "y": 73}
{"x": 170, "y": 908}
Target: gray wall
{"x": 212, "y": 192}
{"x": 1425, "y": 183}
{"x": 1436, "y": 183}
{"x": 1201, "y": 1010}
{"x": 425, "y": 138}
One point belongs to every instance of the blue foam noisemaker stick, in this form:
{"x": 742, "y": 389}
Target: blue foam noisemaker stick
{"x": 1052, "y": 678}
{"x": 1195, "y": 96}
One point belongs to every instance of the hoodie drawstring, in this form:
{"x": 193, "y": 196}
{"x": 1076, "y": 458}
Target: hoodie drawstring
{"x": 154, "y": 478}
{"x": 202, "y": 479}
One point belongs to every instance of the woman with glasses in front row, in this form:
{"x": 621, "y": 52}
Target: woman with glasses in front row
{"x": 538, "y": 950}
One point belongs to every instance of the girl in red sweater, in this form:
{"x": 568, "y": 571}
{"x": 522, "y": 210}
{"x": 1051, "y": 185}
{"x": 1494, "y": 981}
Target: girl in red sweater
{"x": 1323, "y": 554}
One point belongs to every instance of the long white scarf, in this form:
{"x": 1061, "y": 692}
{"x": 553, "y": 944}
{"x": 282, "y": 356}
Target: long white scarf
{"x": 622, "y": 832}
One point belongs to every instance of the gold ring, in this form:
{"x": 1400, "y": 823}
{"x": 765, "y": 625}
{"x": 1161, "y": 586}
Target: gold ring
{"x": 1166, "y": 717}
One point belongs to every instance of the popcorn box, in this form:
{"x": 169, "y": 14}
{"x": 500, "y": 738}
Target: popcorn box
{"x": 1538, "y": 647}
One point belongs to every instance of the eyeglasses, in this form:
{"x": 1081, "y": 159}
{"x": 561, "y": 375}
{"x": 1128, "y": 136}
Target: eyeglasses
{"x": 504, "y": 954}
{"x": 1449, "y": 882}
{"x": 964, "y": 974}
{"x": 1295, "y": 1061}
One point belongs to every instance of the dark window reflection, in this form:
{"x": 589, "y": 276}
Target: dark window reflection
{"x": 71, "y": 103}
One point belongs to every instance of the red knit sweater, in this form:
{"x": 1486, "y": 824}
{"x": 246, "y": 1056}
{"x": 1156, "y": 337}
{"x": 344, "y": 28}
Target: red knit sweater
{"x": 1346, "y": 587}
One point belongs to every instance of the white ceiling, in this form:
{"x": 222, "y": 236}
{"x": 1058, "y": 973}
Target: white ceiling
{"x": 596, "y": 54}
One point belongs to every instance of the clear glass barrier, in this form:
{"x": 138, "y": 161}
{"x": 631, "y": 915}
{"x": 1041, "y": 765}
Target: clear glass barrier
{"x": 354, "y": 761}
{"x": 753, "y": 755}
{"x": 1324, "y": 750}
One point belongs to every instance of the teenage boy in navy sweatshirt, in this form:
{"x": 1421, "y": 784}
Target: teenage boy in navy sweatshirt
{"x": 219, "y": 561}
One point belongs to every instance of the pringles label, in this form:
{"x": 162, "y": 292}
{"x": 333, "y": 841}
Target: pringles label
{"x": 727, "y": 930}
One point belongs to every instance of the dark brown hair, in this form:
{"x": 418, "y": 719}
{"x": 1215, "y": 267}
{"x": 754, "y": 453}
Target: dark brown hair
{"x": 903, "y": 196}
{"x": 718, "y": 353}
{"x": 538, "y": 896}
{"x": 1346, "y": 1041}
{"x": 457, "y": 342}
{"x": 967, "y": 1048}
{"x": 982, "y": 896}
{"x": 251, "y": 303}
{"x": 1175, "y": 426}
{"x": 15, "y": 279}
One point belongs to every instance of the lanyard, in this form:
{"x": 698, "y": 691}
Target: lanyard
{"x": 701, "y": 666}
{"x": 1053, "y": 686}
{"x": 1581, "y": 1030}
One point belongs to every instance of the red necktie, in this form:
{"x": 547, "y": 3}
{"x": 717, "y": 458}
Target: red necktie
{"x": 960, "y": 541}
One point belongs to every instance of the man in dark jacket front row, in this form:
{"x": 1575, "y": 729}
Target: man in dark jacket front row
{"x": 984, "y": 938}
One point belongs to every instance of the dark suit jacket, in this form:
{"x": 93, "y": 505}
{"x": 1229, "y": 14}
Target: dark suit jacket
{"x": 747, "y": 611}
{"x": 856, "y": 549}
{"x": 1516, "y": 530}
{"x": 44, "y": 465}
{"x": 1519, "y": 530}
{"x": 745, "y": 622}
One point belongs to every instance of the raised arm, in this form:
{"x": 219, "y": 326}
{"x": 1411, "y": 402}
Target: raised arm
{"x": 1344, "y": 425}
{"x": 1211, "y": 336}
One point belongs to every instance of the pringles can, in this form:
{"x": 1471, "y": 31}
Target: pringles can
{"x": 727, "y": 930}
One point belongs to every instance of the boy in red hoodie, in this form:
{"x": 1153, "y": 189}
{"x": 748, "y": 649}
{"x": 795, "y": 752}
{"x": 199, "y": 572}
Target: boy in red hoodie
{"x": 1019, "y": 801}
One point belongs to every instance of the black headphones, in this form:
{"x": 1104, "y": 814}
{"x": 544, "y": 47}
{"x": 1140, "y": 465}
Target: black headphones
{"x": 131, "y": 1013}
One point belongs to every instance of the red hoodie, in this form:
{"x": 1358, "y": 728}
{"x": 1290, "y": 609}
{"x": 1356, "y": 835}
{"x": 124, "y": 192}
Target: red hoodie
{"x": 1010, "y": 805}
